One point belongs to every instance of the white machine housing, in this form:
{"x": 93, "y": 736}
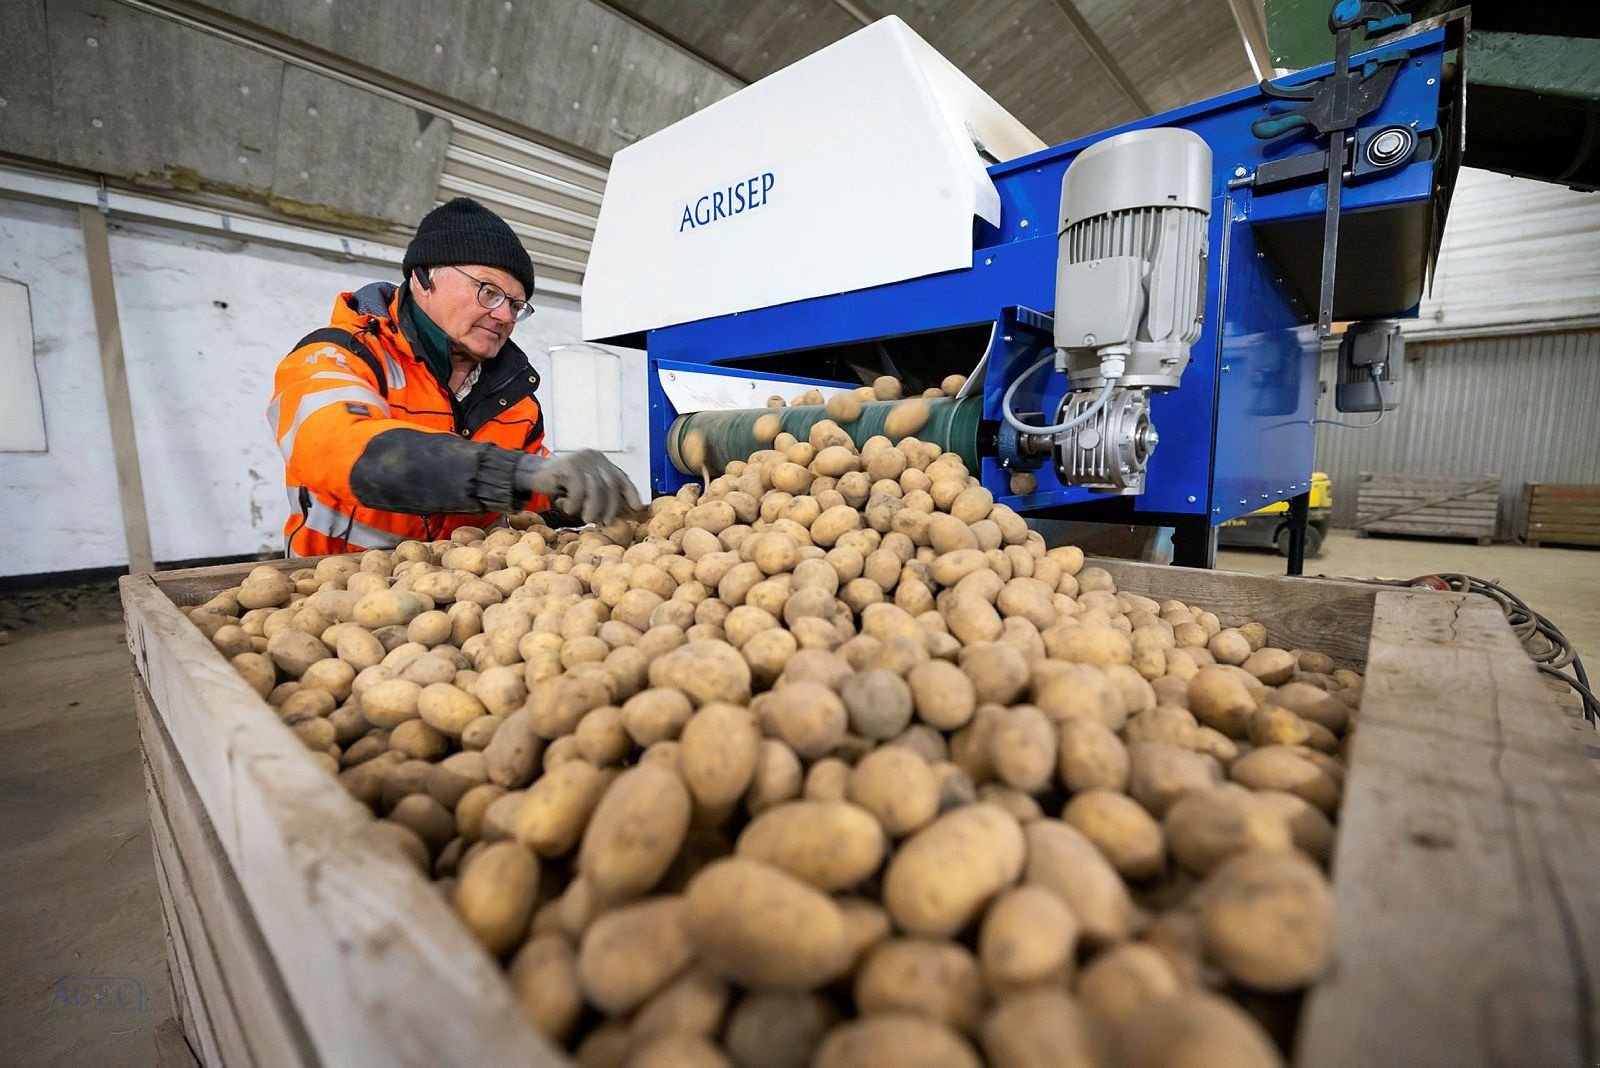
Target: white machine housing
{"x": 860, "y": 165}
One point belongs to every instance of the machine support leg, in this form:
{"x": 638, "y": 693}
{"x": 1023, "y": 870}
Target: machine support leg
{"x": 1299, "y": 514}
{"x": 1194, "y": 544}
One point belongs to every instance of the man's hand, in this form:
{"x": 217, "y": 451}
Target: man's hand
{"x": 583, "y": 483}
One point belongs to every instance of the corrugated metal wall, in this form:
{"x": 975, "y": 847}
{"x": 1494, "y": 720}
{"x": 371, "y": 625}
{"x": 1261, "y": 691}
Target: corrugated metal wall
{"x": 1518, "y": 256}
{"x": 1524, "y": 408}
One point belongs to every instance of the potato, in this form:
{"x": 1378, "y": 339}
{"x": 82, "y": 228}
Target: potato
{"x": 656, "y": 715}
{"x": 558, "y": 806}
{"x": 944, "y": 696}
{"x": 1160, "y": 773}
{"x": 1028, "y": 936}
{"x": 999, "y": 672}
{"x": 1122, "y": 830}
{"x": 889, "y": 1040}
{"x": 1267, "y": 920}
{"x": 1271, "y": 666}
{"x": 1023, "y": 748}
{"x": 631, "y": 952}
{"x": 878, "y": 703}
{"x": 1309, "y": 829}
{"x": 675, "y": 1049}
{"x": 776, "y": 1028}
{"x": 756, "y": 925}
{"x": 258, "y": 670}
{"x": 1311, "y": 704}
{"x": 692, "y": 1005}
{"x": 447, "y": 709}
{"x": 495, "y": 894}
{"x": 831, "y": 845}
{"x": 1089, "y": 643}
{"x": 390, "y": 702}
{"x": 936, "y": 980}
{"x": 1041, "y": 1028}
{"x": 635, "y": 832}
{"x": 720, "y": 744}
{"x": 386, "y": 608}
{"x": 1062, "y": 860}
{"x": 707, "y": 671}
{"x": 898, "y": 787}
{"x": 544, "y": 982}
{"x": 1116, "y": 983}
{"x": 1277, "y": 767}
{"x": 1206, "y": 827}
{"x": 943, "y": 875}
{"x": 906, "y": 418}
{"x": 293, "y": 651}
{"x": 1064, "y": 691}
{"x": 512, "y": 755}
{"x": 1193, "y": 1029}
{"x": 1091, "y": 756}
{"x": 808, "y": 716}
{"x": 778, "y": 777}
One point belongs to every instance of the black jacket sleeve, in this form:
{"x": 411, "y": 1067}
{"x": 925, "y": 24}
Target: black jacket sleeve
{"x": 422, "y": 473}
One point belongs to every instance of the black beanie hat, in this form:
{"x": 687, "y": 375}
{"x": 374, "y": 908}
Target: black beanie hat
{"x": 465, "y": 232}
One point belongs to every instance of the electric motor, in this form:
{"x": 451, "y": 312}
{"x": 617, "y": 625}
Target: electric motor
{"x": 1131, "y": 271}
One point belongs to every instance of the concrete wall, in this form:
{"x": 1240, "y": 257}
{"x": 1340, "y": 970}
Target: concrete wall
{"x": 205, "y": 319}
{"x": 105, "y": 88}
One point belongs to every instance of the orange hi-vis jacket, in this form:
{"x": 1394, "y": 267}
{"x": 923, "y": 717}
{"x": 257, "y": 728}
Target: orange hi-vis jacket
{"x": 377, "y": 450}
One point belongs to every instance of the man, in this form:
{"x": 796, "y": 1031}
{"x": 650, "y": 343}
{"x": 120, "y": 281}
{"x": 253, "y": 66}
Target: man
{"x": 413, "y": 413}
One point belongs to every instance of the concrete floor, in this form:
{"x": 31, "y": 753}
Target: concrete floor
{"x": 80, "y": 894}
{"x": 1563, "y": 585}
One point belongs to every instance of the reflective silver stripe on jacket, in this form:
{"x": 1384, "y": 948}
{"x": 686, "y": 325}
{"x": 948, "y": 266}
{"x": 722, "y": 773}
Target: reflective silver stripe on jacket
{"x": 312, "y": 403}
{"x": 336, "y": 524}
{"x": 397, "y": 376}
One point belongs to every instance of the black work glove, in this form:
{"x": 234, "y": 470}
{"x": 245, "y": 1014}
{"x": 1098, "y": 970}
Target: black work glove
{"x": 583, "y": 483}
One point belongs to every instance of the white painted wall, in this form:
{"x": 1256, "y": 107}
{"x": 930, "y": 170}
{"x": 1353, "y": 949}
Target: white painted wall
{"x": 205, "y": 320}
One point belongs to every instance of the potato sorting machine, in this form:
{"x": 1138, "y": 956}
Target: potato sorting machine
{"x": 1138, "y": 311}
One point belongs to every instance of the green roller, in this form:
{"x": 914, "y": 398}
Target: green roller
{"x": 952, "y": 425}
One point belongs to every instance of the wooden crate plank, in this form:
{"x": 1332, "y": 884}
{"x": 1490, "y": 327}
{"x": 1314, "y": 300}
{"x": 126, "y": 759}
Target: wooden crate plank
{"x": 1580, "y": 490}
{"x": 1327, "y": 615}
{"x": 188, "y": 984}
{"x": 252, "y": 991}
{"x": 362, "y": 940}
{"x": 1469, "y": 918}
{"x": 209, "y": 973}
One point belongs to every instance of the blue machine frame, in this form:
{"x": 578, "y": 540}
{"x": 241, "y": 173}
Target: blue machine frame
{"x": 1236, "y": 434}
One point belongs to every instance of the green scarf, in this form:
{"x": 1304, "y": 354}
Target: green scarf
{"x": 433, "y": 343}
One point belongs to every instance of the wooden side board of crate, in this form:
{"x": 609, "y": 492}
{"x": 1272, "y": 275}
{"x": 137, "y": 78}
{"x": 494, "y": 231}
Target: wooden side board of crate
{"x": 1444, "y": 507}
{"x": 1562, "y": 513}
{"x": 1469, "y": 920}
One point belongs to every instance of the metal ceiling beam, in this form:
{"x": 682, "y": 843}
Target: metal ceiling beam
{"x": 1252, "y": 22}
{"x": 858, "y": 11}
{"x": 1103, "y": 54}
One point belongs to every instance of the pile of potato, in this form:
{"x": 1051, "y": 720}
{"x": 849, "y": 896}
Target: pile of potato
{"x": 831, "y": 763}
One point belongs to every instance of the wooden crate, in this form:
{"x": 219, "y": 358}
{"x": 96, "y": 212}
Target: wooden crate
{"x": 1432, "y": 505}
{"x": 1469, "y": 917}
{"x": 1560, "y": 513}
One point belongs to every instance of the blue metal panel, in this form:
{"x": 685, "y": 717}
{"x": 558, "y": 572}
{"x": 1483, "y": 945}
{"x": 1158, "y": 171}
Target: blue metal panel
{"x": 1236, "y": 433}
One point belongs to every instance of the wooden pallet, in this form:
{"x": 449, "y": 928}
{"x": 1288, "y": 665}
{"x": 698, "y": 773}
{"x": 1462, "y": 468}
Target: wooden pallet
{"x": 1560, "y": 513}
{"x": 1431, "y": 505}
{"x": 1469, "y": 917}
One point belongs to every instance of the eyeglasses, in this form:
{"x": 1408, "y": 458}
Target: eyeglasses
{"x": 492, "y": 296}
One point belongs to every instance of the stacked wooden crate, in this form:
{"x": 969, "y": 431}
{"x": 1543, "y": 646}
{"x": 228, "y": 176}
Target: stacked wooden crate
{"x": 1439, "y": 506}
{"x": 1560, "y": 513}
